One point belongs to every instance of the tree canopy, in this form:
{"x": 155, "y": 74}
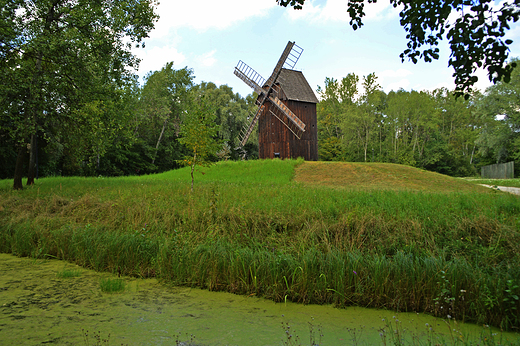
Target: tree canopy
{"x": 475, "y": 30}
{"x": 431, "y": 130}
{"x": 65, "y": 61}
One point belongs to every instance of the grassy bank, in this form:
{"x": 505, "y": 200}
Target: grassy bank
{"x": 307, "y": 232}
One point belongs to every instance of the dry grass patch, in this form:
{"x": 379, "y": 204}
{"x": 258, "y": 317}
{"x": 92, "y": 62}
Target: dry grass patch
{"x": 379, "y": 176}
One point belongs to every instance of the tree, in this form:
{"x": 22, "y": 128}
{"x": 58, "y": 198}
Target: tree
{"x": 370, "y": 112}
{"x": 164, "y": 99}
{"x": 499, "y": 109}
{"x": 231, "y": 112}
{"x": 476, "y": 37}
{"x": 348, "y": 119}
{"x": 413, "y": 121}
{"x": 454, "y": 135}
{"x": 432, "y": 130}
{"x": 198, "y": 133}
{"x": 338, "y": 102}
{"x": 63, "y": 59}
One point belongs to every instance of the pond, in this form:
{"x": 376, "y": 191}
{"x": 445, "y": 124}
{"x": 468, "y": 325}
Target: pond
{"x": 38, "y": 306}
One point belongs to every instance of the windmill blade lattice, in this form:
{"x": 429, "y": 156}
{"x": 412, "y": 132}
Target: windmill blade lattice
{"x": 289, "y": 58}
{"x": 250, "y": 77}
{"x": 293, "y": 57}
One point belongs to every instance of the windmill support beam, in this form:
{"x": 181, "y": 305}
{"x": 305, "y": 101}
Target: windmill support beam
{"x": 279, "y": 66}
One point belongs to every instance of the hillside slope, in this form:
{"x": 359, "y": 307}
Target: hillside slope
{"x": 379, "y": 176}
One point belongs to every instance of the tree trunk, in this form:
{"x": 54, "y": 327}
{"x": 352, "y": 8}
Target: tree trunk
{"x": 159, "y": 141}
{"x": 32, "y": 110}
{"x": 33, "y": 154}
{"x": 19, "y": 168}
{"x": 193, "y": 169}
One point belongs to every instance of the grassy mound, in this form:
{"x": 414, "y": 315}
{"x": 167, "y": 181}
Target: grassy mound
{"x": 375, "y": 235}
{"x": 379, "y": 176}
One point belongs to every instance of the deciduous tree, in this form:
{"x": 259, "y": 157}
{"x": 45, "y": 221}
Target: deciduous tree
{"x": 66, "y": 56}
{"x": 164, "y": 98}
{"x": 199, "y": 134}
{"x": 231, "y": 112}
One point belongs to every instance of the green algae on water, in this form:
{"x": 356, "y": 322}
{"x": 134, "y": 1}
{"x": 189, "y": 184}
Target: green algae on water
{"x": 37, "y": 307}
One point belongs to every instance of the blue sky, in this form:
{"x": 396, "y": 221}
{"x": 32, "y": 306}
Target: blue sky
{"x": 211, "y": 36}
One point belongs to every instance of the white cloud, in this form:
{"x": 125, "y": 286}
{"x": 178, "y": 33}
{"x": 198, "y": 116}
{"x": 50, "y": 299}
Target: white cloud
{"x": 207, "y": 59}
{"x": 308, "y": 12}
{"x": 394, "y": 73}
{"x": 336, "y": 10}
{"x": 380, "y": 11}
{"x": 153, "y": 59}
{"x": 401, "y": 84}
{"x": 393, "y": 79}
{"x": 205, "y": 14}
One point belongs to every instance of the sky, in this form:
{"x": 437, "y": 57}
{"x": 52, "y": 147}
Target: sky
{"x": 211, "y": 36}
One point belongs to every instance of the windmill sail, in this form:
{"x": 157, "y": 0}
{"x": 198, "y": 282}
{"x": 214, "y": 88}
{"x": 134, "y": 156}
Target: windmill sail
{"x": 250, "y": 77}
{"x": 279, "y": 65}
{"x": 289, "y": 58}
{"x": 288, "y": 113}
{"x": 293, "y": 56}
{"x": 247, "y": 132}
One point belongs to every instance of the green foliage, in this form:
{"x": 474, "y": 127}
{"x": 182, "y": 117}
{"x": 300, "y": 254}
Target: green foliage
{"x": 330, "y": 149}
{"x": 198, "y": 133}
{"x": 163, "y": 101}
{"x": 476, "y": 36}
{"x": 430, "y": 130}
{"x": 500, "y": 115}
{"x": 231, "y": 113}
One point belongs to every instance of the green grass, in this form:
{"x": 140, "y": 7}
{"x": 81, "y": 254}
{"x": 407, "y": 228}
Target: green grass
{"x": 68, "y": 273}
{"x": 385, "y": 236}
{"x": 111, "y": 285}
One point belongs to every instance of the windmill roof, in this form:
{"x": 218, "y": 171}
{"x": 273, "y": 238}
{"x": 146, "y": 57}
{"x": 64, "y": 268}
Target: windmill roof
{"x": 296, "y": 87}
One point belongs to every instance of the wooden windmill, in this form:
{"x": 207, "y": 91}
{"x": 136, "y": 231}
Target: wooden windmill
{"x": 286, "y": 109}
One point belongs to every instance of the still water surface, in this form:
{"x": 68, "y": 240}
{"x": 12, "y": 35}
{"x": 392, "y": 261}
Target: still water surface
{"x": 39, "y": 308}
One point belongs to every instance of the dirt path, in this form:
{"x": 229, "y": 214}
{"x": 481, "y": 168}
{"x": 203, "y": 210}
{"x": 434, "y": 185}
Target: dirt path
{"x": 513, "y": 190}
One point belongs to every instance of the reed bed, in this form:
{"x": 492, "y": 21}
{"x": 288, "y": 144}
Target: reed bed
{"x": 250, "y": 228}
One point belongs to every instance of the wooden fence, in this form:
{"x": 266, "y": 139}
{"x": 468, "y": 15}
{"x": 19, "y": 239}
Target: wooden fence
{"x": 499, "y": 171}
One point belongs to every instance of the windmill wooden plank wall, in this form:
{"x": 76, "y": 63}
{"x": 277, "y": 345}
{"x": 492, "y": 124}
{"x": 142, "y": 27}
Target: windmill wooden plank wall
{"x": 286, "y": 109}
{"x": 274, "y": 138}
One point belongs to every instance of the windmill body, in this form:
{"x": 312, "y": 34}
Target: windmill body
{"x": 286, "y": 112}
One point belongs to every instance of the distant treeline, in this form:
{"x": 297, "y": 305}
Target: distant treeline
{"x": 431, "y": 130}
{"x": 134, "y": 129}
